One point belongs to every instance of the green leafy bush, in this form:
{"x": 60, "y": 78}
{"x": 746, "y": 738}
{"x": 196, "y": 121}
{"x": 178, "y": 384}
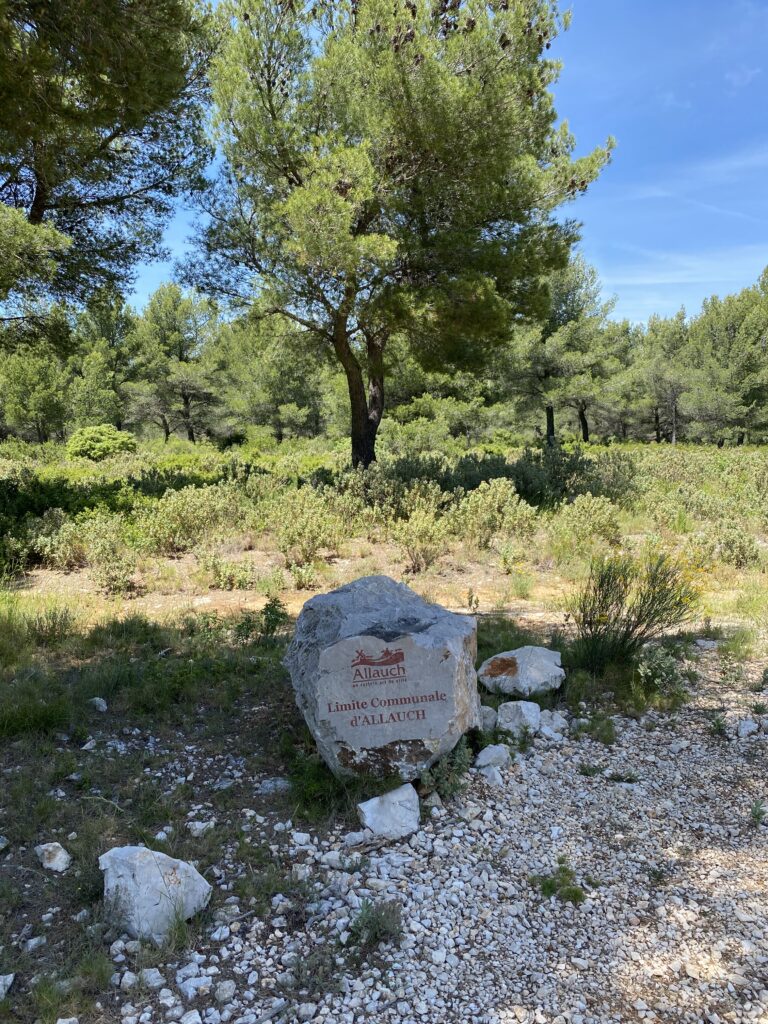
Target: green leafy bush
{"x": 112, "y": 563}
{"x": 587, "y": 518}
{"x": 227, "y": 574}
{"x": 625, "y": 603}
{"x": 305, "y": 526}
{"x": 97, "y": 443}
{"x": 731, "y": 544}
{"x": 447, "y": 777}
{"x": 659, "y": 675}
{"x": 422, "y": 537}
{"x": 181, "y": 519}
{"x": 482, "y": 513}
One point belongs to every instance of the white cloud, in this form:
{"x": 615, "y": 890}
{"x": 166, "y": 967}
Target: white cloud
{"x": 648, "y": 281}
{"x": 741, "y": 78}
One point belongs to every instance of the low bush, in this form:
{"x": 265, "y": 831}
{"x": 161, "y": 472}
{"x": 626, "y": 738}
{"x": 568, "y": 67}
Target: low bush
{"x": 626, "y": 602}
{"x": 589, "y": 517}
{"x": 306, "y": 526}
{"x": 423, "y": 537}
{"x": 97, "y": 443}
{"x": 180, "y": 520}
{"x": 479, "y": 515}
{"x": 447, "y": 777}
{"x": 659, "y": 677}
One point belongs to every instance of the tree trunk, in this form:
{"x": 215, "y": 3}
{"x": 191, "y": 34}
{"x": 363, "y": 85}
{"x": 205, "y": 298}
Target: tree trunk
{"x": 740, "y": 438}
{"x": 657, "y": 424}
{"x": 550, "y": 410}
{"x": 187, "y": 417}
{"x": 674, "y": 423}
{"x": 366, "y": 410}
{"x": 584, "y": 425}
{"x": 166, "y": 428}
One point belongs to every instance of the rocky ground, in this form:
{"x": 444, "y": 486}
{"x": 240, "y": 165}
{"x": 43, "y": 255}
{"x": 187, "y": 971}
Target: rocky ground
{"x": 598, "y": 883}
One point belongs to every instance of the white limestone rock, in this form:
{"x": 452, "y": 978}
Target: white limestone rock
{"x": 746, "y": 727}
{"x": 393, "y": 815}
{"x": 487, "y": 718}
{"x": 553, "y": 725}
{"x": 517, "y": 715}
{"x": 6, "y": 980}
{"x": 522, "y": 672}
{"x": 386, "y": 681}
{"x": 492, "y": 776}
{"x": 53, "y": 857}
{"x": 496, "y": 755}
{"x": 148, "y": 890}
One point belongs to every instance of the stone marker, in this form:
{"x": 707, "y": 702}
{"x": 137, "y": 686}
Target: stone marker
{"x": 522, "y": 672}
{"x": 150, "y": 891}
{"x": 385, "y": 681}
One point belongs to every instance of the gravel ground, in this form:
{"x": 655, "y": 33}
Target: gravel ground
{"x": 657, "y": 830}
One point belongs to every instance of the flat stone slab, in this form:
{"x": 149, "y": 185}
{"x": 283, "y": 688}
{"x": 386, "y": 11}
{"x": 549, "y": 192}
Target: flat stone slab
{"x": 522, "y": 672}
{"x": 385, "y": 680}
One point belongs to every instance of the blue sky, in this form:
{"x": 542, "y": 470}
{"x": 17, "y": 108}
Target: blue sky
{"x": 682, "y": 212}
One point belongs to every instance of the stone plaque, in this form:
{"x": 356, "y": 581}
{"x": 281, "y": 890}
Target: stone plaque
{"x": 392, "y": 698}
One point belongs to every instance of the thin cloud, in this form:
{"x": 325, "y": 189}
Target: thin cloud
{"x": 742, "y": 78}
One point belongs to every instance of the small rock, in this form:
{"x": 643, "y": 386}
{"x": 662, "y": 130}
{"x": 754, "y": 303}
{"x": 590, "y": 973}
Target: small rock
{"x": 307, "y": 1011}
{"x": 517, "y": 715}
{"x": 221, "y": 934}
{"x": 6, "y": 980}
{"x": 198, "y": 828}
{"x": 99, "y": 703}
{"x": 746, "y": 727}
{"x": 393, "y": 815}
{"x": 192, "y": 1017}
{"x": 225, "y": 991}
{"x": 152, "y": 978}
{"x": 268, "y": 787}
{"x": 53, "y": 856}
{"x": 706, "y": 645}
{"x": 68, "y": 1020}
{"x": 4, "y": 843}
{"x": 552, "y": 722}
{"x": 496, "y": 755}
{"x": 128, "y": 981}
{"x": 522, "y": 672}
{"x": 487, "y": 718}
{"x": 149, "y": 890}
{"x": 35, "y": 943}
{"x": 492, "y": 776}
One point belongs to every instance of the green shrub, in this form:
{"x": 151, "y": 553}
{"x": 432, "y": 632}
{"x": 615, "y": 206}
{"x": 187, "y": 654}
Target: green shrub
{"x": 479, "y": 515}
{"x": 58, "y": 541}
{"x": 306, "y": 525}
{"x": 112, "y": 563}
{"x": 733, "y": 545}
{"x": 227, "y": 574}
{"x": 447, "y": 777}
{"x": 561, "y": 884}
{"x": 181, "y": 519}
{"x": 551, "y": 474}
{"x": 588, "y": 518}
{"x": 423, "y": 537}
{"x": 97, "y": 443}
{"x": 376, "y": 923}
{"x": 625, "y": 603}
{"x": 660, "y": 677}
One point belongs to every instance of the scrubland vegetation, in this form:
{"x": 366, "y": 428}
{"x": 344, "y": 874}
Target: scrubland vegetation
{"x": 619, "y": 544}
